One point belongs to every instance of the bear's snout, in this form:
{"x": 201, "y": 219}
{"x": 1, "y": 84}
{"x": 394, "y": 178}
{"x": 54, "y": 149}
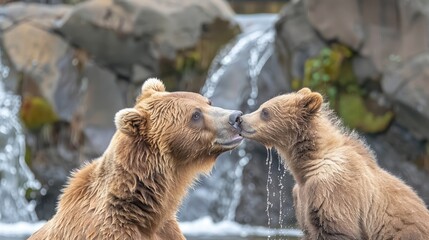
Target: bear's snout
{"x": 235, "y": 119}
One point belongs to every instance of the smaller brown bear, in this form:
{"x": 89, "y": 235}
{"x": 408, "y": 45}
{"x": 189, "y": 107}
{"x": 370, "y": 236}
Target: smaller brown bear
{"x": 134, "y": 189}
{"x": 340, "y": 191}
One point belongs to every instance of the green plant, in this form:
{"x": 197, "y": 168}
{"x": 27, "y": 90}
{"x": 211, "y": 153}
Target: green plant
{"x": 331, "y": 73}
{"x": 36, "y": 112}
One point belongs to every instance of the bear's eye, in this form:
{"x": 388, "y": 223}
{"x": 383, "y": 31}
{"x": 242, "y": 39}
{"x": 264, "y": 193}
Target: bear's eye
{"x": 265, "y": 114}
{"x": 196, "y": 115}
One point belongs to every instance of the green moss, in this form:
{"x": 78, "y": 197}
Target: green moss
{"x": 296, "y": 84}
{"x": 354, "y": 113}
{"x": 36, "y": 112}
{"x": 331, "y": 73}
{"x": 27, "y": 155}
{"x": 189, "y": 69}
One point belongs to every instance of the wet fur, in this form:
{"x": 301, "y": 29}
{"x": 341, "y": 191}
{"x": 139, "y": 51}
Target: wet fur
{"x": 134, "y": 189}
{"x": 340, "y": 191}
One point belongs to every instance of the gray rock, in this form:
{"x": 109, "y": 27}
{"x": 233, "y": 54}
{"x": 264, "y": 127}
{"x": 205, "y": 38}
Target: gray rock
{"x": 5, "y": 23}
{"x": 383, "y": 32}
{"x": 140, "y": 74}
{"x": 337, "y": 20}
{"x": 408, "y": 88}
{"x": 364, "y": 69}
{"x": 98, "y": 105}
{"x": 129, "y": 32}
{"x": 53, "y": 158}
{"x": 296, "y": 40}
{"x": 41, "y": 15}
{"x": 45, "y": 59}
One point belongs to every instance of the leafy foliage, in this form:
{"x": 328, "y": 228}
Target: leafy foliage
{"x": 331, "y": 73}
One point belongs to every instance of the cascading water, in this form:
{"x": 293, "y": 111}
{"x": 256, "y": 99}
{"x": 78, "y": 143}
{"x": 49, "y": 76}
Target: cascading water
{"x": 259, "y": 54}
{"x": 234, "y": 82}
{"x": 259, "y": 45}
{"x": 281, "y": 193}
{"x": 15, "y": 176}
{"x": 269, "y": 162}
{"x": 272, "y": 193}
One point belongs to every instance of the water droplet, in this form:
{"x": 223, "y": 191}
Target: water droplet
{"x": 254, "y": 94}
{"x": 8, "y": 148}
{"x": 241, "y": 152}
{"x": 43, "y": 191}
{"x": 250, "y": 102}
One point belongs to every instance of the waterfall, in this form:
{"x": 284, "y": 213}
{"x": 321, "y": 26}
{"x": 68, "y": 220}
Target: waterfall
{"x": 233, "y": 83}
{"x": 15, "y": 176}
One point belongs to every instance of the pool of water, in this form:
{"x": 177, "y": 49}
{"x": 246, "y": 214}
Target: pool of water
{"x": 193, "y": 238}
{"x": 200, "y": 229}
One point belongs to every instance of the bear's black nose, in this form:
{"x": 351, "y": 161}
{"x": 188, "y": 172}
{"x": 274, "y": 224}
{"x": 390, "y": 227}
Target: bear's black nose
{"x": 235, "y": 117}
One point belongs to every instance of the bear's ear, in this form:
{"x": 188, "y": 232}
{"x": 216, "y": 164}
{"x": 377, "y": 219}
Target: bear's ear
{"x": 312, "y": 102}
{"x": 152, "y": 84}
{"x": 304, "y": 91}
{"x": 128, "y": 121}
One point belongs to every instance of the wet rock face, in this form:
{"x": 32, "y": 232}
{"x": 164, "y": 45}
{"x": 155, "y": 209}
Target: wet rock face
{"x": 382, "y": 31}
{"x": 389, "y": 62}
{"x": 296, "y": 39}
{"x": 126, "y": 23}
{"x": 76, "y": 66}
{"x": 132, "y": 37}
{"x": 46, "y": 59}
{"x": 389, "y": 40}
{"x": 407, "y": 86}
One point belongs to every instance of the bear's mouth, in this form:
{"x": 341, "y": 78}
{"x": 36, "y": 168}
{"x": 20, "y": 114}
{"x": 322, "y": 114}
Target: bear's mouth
{"x": 231, "y": 143}
{"x": 247, "y": 133}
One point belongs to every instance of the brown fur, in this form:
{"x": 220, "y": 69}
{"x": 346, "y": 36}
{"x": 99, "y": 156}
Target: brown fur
{"x": 340, "y": 191}
{"x": 134, "y": 189}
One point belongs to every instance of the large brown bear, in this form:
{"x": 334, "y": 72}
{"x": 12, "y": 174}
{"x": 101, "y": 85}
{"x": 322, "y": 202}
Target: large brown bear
{"x": 134, "y": 189}
{"x": 340, "y": 191}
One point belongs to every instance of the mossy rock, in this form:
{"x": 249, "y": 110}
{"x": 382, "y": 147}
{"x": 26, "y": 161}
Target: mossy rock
{"x": 355, "y": 115}
{"x": 331, "y": 73}
{"x": 327, "y": 67}
{"x": 36, "y": 112}
{"x": 27, "y": 156}
{"x": 188, "y": 70}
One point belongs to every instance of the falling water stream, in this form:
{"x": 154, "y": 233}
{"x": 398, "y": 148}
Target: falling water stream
{"x": 269, "y": 162}
{"x": 258, "y": 45}
{"x": 280, "y": 193}
{"x": 260, "y": 52}
{"x": 15, "y": 176}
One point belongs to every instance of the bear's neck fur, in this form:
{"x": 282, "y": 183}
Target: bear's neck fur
{"x": 152, "y": 191}
{"x": 305, "y": 148}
